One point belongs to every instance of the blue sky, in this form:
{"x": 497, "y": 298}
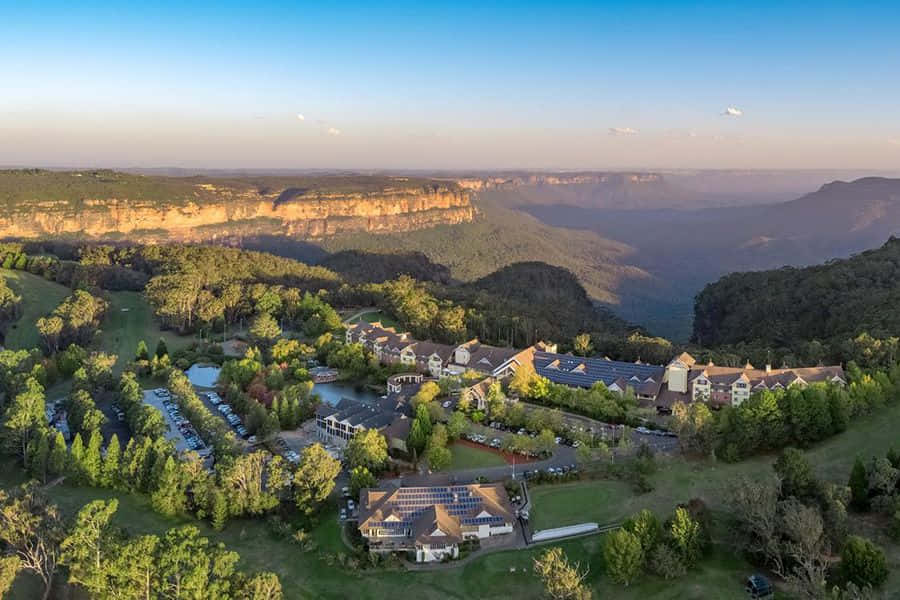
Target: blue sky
{"x": 461, "y": 85}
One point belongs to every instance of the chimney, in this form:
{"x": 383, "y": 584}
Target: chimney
{"x": 768, "y": 368}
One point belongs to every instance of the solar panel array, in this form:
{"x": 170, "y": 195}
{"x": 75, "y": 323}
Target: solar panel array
{"x": 595, "y": 369}
{"x": 409, "y": 504}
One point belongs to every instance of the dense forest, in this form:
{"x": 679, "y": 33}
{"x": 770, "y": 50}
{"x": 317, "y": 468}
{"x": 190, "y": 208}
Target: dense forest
{"x": 828, "y": 305}
{"x": 196, "y": 288}
{"x": 378, "y": 267}
{"x": 25, "y": 187}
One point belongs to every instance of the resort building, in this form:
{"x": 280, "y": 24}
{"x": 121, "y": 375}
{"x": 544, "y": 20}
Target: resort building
{"x": 432, "y": 521}
{"x": 643, "y": 379}
{"x": 438, "y": 360}
{"x": 688, "y": 381}
{"x": 337, "y": 424}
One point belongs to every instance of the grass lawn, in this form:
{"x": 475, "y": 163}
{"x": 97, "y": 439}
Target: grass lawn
{"x": 130, "y": 320}
{"x": 39, "y": 297}
{"x": 580, "y": 502}
{"x": 467, "y": 457}
{"x": 678, "y": 480}
{"x": 380, "y": 316}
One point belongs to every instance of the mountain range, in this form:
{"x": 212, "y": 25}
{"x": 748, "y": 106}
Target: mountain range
{"x": 641, "y": 243}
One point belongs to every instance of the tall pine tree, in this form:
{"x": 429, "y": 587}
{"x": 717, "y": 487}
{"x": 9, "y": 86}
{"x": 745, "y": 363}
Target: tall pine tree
{"x": 76, "y": 461}
{"x": 41, "y": 458}
{"x": 859, "y": 486}
{"x": 92, "y": 460}
{"x": 58, "y": 455}
{"x": 168, "y": 498}
{"x": 218, "y": 509}
{"x": 109, "y": 473}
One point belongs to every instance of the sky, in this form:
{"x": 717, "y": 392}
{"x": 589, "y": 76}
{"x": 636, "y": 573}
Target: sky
{"x": 482, "y": 85}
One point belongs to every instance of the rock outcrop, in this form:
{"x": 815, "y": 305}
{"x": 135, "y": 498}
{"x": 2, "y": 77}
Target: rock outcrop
{"x": 206, "y": 210}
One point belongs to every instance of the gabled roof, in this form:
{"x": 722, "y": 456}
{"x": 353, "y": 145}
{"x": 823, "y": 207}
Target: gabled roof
{"x": 585, "y": 372}
{"x": 684, "y": 359}
{"x": 425, "y": 350}
{"x": 423, "y": 510}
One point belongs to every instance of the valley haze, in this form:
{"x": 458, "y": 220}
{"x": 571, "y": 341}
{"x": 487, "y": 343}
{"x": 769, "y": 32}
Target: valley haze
{"x": 450, "y": 300}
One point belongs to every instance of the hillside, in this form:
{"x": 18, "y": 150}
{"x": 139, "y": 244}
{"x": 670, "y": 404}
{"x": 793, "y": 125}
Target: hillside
{"x": 683, "y": 250}
{"x": 500, "y": 237}
{"x": 358, "y": 267}
{"x": 550, "y": 299}
{"x": 833, "y": 301}
{"x": 111, "y": 205}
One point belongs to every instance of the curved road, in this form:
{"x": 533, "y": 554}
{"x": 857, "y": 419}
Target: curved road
{"x": 365, "y": 311}
{"x": 563, "y": 456}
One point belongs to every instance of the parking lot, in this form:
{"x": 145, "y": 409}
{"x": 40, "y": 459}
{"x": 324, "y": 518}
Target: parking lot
{"x": 181, "y": 432}
{"x": 219, "y": 407}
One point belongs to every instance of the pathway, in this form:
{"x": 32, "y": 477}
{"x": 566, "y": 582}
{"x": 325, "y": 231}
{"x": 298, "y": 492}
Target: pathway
{"x": 364, "y": 311}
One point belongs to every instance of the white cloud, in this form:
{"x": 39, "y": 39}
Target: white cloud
{"x": 733, "y": 111}
{"x": 622, "y": 131}
{"x": 334, "y": 131}
{"x": 300, "y": 117}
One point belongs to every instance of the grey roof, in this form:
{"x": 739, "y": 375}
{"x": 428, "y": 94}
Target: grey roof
{"x": 585, "y": 372}
{"x": 488, "y": 358}
{"x": 419, "y": 510}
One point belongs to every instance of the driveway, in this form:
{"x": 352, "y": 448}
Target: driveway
{"x": 562, "y": 456}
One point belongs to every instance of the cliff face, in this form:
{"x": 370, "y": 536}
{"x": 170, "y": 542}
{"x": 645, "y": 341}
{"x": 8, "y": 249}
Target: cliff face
{"x": 209, "y": 210}
{"x": 515, "y": 181}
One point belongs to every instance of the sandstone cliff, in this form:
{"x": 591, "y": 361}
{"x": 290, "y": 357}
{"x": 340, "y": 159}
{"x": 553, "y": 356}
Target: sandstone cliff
{"x": 195, "y": 209}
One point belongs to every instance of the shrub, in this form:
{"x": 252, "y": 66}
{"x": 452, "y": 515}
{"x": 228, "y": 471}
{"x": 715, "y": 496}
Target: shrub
{"x": 665, "y": 562}
{"x": 862, "y": 562}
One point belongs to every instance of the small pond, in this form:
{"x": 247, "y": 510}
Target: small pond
{"x": 331, "y": 393}
{"x": 204, "y": 376}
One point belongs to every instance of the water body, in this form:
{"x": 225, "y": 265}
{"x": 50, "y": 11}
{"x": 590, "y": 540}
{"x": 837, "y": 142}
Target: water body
{"x": 204, "y": 376}
{"x": 331, "y": 393}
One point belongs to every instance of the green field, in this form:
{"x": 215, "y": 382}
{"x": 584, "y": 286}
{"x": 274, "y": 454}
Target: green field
{"x": 39, "y": 297}
{"x": 678, "y": 480}
{"x": 467, "y": 457}
{"x": 130, "y": 320}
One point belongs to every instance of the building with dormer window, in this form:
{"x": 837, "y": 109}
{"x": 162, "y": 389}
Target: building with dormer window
{"x": 688, "y": 381}
{"x": 432, "y": 521}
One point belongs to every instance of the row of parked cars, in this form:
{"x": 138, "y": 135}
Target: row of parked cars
{"x": 659, "y": 432}
{"x": 233, "y": 419}
{"x": 185, "y": 427}
{"x": 552, "y": 471}
{"x": 479, "y": 438}
{"x": 560, "y": 440}
{"x": 289, "y": 455}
